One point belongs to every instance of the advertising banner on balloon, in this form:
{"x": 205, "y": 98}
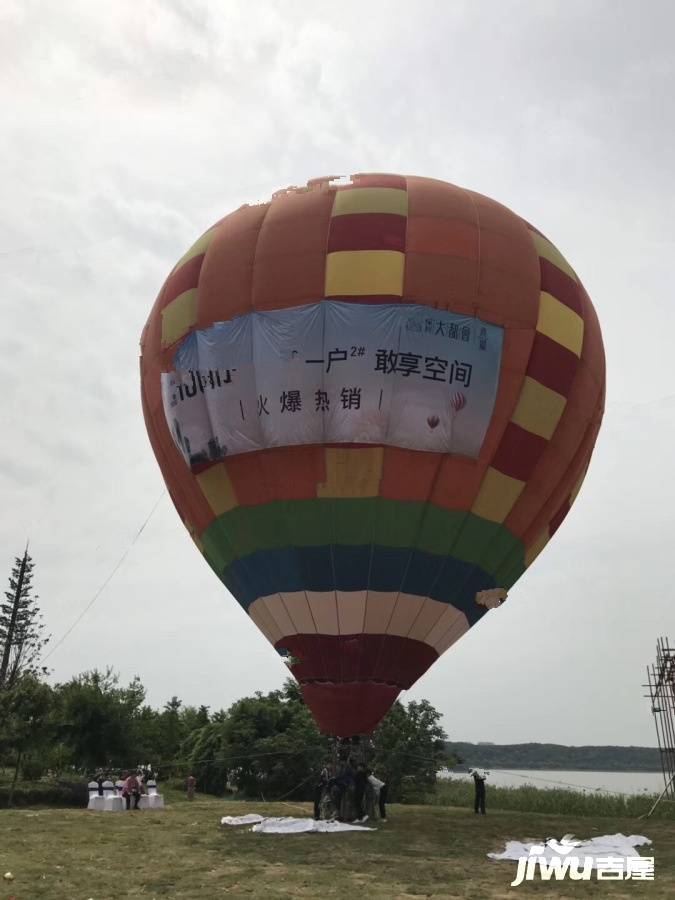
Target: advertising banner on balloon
{"x": 334, "y": 372}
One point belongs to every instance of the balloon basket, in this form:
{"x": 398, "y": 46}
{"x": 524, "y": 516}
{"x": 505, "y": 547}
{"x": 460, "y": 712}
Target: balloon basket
{"x": 349, "y": 753}
{"x": 359, "y": 749}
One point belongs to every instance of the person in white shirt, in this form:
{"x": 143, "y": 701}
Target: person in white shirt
{"x": 380, "y": 791}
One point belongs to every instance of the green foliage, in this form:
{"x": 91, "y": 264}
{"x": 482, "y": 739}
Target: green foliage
{"x": 269, "y": 746}
{"x": 46, "y": 793}
{"x": 207, "y": 754}
{"x": 32, "y": 768}
{"x": 95, "y": 723}
{"x": 263, "y": 746}
{"x": 26, "y": 720}
{"x": 410, "y": 749}
{"x": 148, "y": 737}
{"x": 99, "y": 719}
{"x": 172, "y": 730}
{"x": 192, "y": 718}
{"x": 266, "y": 745}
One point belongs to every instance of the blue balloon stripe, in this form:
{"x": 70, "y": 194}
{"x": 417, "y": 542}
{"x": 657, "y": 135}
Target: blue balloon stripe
{"x": 358, "y": 568}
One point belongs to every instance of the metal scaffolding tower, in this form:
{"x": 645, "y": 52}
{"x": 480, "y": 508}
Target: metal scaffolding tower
{"x": 661, "y": 686}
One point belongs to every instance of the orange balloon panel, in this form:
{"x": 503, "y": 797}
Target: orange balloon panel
{"x": 373, "y": 404}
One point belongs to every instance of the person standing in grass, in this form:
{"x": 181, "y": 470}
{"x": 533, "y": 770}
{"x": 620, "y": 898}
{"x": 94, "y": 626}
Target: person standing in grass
{"x": 191, "y": 785}
{"x": 340, "y": 784}
{"x": 380, "y": 791}
{"x": 479, "y": 784}
{"x": 360, "y": 781}
{"x": 319, "y": 789}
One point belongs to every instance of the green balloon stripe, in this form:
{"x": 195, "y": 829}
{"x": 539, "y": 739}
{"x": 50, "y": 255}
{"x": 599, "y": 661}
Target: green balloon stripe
{"x": 355, "y": 522}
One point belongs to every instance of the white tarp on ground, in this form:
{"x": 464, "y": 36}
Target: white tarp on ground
{"x": 615, "y": 845}
{"x": 289, "y": 824}
{"x": 249, "y": 819}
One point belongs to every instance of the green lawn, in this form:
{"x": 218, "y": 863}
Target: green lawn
{"x": 422, "y": 851}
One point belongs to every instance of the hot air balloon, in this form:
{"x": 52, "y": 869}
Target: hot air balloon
{"x": 373, "y": 404}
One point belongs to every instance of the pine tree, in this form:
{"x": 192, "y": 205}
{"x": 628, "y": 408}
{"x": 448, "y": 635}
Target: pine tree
{"x": 21, "y": 628}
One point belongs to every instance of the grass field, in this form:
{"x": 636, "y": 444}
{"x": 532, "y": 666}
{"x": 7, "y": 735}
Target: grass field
{"x": 183, "y": 852}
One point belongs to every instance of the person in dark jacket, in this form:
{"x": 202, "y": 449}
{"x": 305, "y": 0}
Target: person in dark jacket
{"x": 479, "y": 784}
{"x": 360, "y": 782}
{"x": 100, "y": 778}
{"x": 339, "y": 784}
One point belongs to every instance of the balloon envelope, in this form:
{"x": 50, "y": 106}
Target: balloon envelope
{"x": 373, "y": 404}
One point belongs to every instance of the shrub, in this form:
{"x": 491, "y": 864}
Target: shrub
{"x": 456, "y": 792}
{"x": 46, "y": 793}
{"x": 32, "y": 770}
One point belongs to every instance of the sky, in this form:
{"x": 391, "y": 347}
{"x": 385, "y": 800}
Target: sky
{"x": 129, "y": 127}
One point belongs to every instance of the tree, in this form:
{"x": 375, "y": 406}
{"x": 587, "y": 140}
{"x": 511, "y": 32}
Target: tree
{"x": 410, "y": 749}
{"x": 21, "y": 628}
{"x": 26, "y": 723}
{"x": 193, "y": 718}
{"x": 147, "y": 731}
{"x": 265, "y": 745}
{"x": 269, "y": 746}
{"x": 100, "y": 720}
{"x": 207, "y": 754}
{"x": 173, "y": 730}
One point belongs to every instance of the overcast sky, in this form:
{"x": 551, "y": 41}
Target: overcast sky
{"x": 129, "y": 127}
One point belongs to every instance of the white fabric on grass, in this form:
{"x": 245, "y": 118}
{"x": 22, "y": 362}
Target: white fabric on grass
{"x": 249, "y": 819}
{"x": 617, "y": 845}
{"x": 291, "y": 825}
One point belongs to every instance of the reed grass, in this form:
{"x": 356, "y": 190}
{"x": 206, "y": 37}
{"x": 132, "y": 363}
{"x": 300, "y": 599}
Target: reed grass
{"x": 557, "y": 801}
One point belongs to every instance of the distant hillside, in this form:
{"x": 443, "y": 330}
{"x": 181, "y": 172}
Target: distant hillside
{"x": 556, "y": 756}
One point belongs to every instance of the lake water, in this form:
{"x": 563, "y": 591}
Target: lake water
{"x": 615, "y": 782}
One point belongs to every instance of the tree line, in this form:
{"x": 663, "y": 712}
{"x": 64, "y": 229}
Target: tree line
{"x": 265, "y": 746}
{"x": 558, "y": 756}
